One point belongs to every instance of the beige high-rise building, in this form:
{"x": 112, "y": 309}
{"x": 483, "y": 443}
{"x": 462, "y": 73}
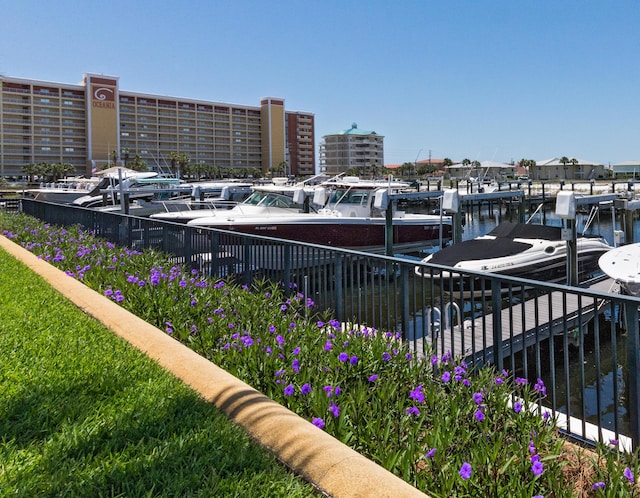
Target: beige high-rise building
{"x": 93, "y": 123}
{"x": 349, "y": 149}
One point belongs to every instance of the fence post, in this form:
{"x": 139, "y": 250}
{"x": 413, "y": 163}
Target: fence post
{"x": 496, "y": 307}
{"x": 288, "y": 280}
{"x": 339, "y": 306}
{"x": 248, "y": 262}
{"x": 633, "y": 367}
{"x": 406, "y": 318}
{"x": 214, "y": 256}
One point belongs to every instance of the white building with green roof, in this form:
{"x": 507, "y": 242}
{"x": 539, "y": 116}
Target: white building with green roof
{"x": 350, "y": 149}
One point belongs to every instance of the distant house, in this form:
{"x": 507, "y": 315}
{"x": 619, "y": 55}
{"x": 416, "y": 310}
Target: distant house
{"x": 553, "y": 169}
{"x": 488, "y": 170}
{"x": 435, "y": 167}
{"x": 626, "y": 169}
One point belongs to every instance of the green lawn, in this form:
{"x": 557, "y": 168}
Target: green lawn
{"x": 82, "y": 413}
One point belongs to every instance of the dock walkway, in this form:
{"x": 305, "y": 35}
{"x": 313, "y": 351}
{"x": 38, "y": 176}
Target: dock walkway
{"x": 521, "y": 325}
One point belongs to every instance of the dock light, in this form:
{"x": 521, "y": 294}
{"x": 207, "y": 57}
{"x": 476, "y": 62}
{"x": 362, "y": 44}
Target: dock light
{"x": 381, "y": 199}
{"x": 299, "y": 196}
{"x": 451, "y": 200}
{"x": 566, "y": 209}
{"x": 451, "y": 204}
{"x": 566, "y": 205}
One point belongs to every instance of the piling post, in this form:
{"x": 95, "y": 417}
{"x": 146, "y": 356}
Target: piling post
{"x": 633, "y": 367}
{"x": 496, "y": 305}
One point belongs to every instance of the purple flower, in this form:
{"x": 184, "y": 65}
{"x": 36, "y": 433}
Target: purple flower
{"x": 283, "y": 307}
{"x": 477, "y": 398}
{"x": 295, "y": 365}
{"x": 318, "y": 422}
{"x": 305, "y": 389}
{"x": 413, "y": 411}
{"x": 289, "y": 390}
{"x": 343, "y": 357}
{"x": 537, "y": 468}
{"x": 540, "y": 387}
{"x": 296, "y": 351}
{"x": 328, "y": 346}
{"x": 628, "y": 473}
{"x": 465, "y": 471}
{"x": 431, "y": 453}
{"x": 335, "y": 409}
{"x": 520, "y": 380}
{"x": 320, "y": 324}
{"x": 479, "y": 415}
{"x": 373, "y": 378}
{"x": 446, "y": 377}
{"x": 417, "y": 394}
{"x": 517, "y": 407}
{"x": 386, "y": 356}
{"x": 353, "y": 360}
{"x": 279, "y": 339}
{"x": 598, "y": 485}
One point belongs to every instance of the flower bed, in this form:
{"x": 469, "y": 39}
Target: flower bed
{"x": 443, "y": 428}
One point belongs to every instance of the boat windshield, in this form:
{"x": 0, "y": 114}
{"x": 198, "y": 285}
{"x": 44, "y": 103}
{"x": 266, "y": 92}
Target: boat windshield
{"x": 349, "y": 196}
{"x": 270, "y": 199}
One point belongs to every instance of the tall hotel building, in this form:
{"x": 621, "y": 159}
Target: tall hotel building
{"x": 351, "y": 148}
{"x": 85, "y": 124}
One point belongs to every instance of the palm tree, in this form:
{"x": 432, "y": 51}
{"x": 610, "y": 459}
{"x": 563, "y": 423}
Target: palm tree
{"x": 125, "y": 155}
{"x": 564, "y": 160}
{"x": 574, "y": 163}
{"x": 30, "y": 170}
{"x": 137, "y": 164}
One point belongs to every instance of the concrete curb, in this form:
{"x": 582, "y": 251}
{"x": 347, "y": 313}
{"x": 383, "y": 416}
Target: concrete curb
{"x": 333, "y": 467}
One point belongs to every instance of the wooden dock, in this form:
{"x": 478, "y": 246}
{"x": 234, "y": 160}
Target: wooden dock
{"x": 516, "y": 327}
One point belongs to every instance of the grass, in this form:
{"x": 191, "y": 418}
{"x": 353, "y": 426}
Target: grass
{"x": 84, "y": 414}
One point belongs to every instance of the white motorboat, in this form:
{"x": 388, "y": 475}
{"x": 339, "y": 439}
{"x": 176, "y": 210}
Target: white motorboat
{"x": 63, "y": 191}
{"x": 340, "y": 213}
{"x": 623, "y": 265}
{"x": 134, "y": 183}
{"x": 205, "y": 200}
{"x": 531, "y": 251}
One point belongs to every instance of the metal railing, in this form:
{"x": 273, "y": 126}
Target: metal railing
{"x": 583, "y": 342}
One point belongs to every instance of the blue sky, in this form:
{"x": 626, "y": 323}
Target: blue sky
{"x": 493, "y": 80}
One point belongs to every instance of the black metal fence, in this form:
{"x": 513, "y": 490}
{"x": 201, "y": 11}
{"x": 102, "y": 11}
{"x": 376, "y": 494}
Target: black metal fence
{"x": 583, "y": 342}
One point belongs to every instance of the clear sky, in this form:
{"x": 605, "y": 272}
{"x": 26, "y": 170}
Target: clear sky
{"x": 493, "y": 80}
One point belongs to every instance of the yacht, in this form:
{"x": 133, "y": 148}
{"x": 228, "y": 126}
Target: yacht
{"x": 536, "y": 252}
{"x": 340, "y": 213}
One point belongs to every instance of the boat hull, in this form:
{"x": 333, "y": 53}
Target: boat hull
{"x": 551, "y": 270}
{"x": 507, "y": 251}
{"x": 369, "y": 235}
